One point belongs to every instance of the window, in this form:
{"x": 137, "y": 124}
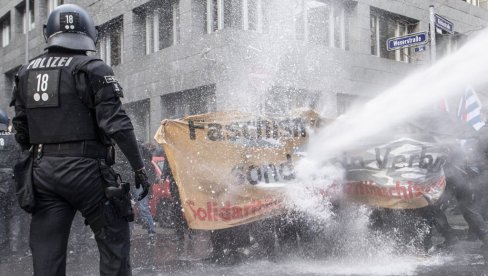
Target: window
{"x": 28, "y": 19}
{"x": 215, "y": 15}
{"x": 9, "y": 84}
{"x": 447, "y": 43}
{"x": 345, "y": 102}
{"x": 281, "y": 101}
{"x": 5, "y": 28}
{"x": 483, "y": 4}
{"x": 189, "y": 102}
{"x": 385, "y": 25}
{"x": 111, "y": 42}
{"x": 160, "y": 21}
{"x": 52, "y": 4}
{"x": 138, "y": 113}
{"x": 244, "y": 14}
{"x": 473, "y": 2}
{"x": 322, "y": 22}
{"x": 254, "y": 17}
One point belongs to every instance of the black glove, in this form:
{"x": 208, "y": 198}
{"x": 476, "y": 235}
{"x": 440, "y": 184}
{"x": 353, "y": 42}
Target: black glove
{"x": 141, "y": 181}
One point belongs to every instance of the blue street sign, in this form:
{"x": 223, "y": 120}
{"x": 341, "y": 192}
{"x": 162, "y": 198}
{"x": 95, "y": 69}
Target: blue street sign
{"x": 420, "y": 49}
{"x": 409, "y": 40}
{"x": 444, "y": 24}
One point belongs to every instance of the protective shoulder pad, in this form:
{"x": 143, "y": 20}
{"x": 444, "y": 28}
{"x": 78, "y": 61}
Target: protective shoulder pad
{"x": 83, "y": 61}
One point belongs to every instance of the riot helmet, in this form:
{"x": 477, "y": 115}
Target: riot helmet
{"x": 70, "y": 26}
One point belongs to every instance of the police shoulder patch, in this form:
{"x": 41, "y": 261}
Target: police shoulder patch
{"x": 115, "y": 86}
{"x": 102, "y": 77}
{"x": 110, "y": 79}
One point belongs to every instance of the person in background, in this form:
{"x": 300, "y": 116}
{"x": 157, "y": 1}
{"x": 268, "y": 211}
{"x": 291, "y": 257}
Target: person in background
{"x": 143, "y": 204}
{"x": 473, "y": 179}
{"x": 122, "y": 167}
{"x": 466, "y": 170}
{"x": 178, "y": 219}
{"x": 13, "y": 222}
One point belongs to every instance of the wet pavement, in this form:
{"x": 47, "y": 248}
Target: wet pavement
{"x": 167, "y": 256}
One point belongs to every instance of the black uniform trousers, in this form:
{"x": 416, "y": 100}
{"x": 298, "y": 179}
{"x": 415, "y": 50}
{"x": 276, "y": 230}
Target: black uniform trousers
{"x": 176, "y": 210}
{"x": 63, "y": 185}
{"x": 464, "y": 188}
{"x": 469, "y": 201}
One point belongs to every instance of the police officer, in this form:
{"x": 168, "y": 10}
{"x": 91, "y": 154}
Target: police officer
{"x": 67, "y": 110}
{"x": 465, "y": 170}
{"x": 472, "y": 179}
{"x": 5, "y": 183}
{"x": 9, "y": 220}
{"x": 4, "y": 121}
{"x": 177, "y": 218}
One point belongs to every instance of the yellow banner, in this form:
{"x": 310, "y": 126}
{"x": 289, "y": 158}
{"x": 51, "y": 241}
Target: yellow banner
{"x": 230, "y": 167}
{"x": 225, "y": 164}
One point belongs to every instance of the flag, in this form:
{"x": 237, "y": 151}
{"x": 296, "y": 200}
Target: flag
{"x": 443, "y": 105}
{"x": 469, "y": 109}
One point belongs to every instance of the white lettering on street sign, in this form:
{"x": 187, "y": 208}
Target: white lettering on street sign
{"x": 443, "y": 23}
{"x": 420, "y": 49}
{"x": 410, "y": 40}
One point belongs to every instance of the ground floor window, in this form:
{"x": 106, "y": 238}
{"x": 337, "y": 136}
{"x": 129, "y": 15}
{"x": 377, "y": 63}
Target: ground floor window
{"x": 189, "y": 102}
{"x": 139, "y": 113}
{"x": 282, "y": 101}
{"x": 345, "y": 102}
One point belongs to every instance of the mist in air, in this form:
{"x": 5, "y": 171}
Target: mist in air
{"x": 419, "y": 92}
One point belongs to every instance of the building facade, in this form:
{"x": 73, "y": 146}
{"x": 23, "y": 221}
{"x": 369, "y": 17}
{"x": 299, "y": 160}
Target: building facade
{"x": 182, "y": 57}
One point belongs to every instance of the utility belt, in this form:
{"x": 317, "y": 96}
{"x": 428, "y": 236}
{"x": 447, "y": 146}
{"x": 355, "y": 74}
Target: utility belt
{"x": 116, "y": 191}
{"x": 88, "y": 148}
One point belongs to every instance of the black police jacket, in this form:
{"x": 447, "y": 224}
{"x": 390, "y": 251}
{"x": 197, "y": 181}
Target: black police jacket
{"x": 9, "y": 155}
{"x": 9, "y": 152}
{"x": 64, "y": 97}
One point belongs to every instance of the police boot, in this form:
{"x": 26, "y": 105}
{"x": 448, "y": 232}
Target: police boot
{"x": 216, "y": 256}
{"x": 227, "y": 257}
{"x": 471, "y": 236}
{"x": 484, "y": 253}
{"x": 233, "y": 257}
{"x": 15, "y": 247}
{"x": 449, "y": 241}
